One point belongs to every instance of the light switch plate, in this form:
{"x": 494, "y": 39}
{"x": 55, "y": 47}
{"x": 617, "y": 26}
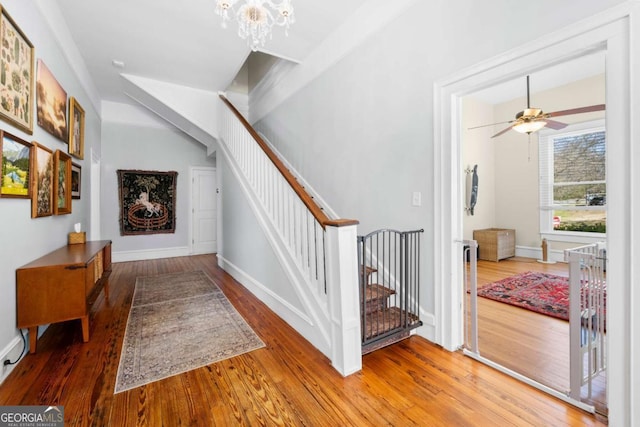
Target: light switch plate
{"x": 417, "y": 199}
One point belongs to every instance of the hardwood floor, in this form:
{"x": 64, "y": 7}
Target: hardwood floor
{"x": 286, "y": 383}
{"x": 529, "y": 343}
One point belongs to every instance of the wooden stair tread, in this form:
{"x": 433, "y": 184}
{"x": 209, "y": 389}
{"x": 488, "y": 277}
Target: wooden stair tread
{"x": 368, "y": 270}
{"x": 377, "y": 291}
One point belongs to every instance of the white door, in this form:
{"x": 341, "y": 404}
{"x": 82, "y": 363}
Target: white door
{"x": 204, "y": 207}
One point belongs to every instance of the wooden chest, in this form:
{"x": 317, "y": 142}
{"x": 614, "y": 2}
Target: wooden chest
{"x": 495, "y": 244}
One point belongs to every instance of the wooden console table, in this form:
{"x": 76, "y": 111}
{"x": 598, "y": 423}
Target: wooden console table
{"x": 58, "y": 286}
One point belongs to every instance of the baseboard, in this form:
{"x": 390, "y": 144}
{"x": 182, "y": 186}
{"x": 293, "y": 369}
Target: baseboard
{"x": 536, "y": 253}
{"x": 264, "y": 294}
{"x": 11, "y": 352}
{"x": 428, "y": 328}
{"x": 146, "y": 254}
{"x": 290, "y": 314}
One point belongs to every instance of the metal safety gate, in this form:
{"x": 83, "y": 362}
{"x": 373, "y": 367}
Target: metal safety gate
{"x": 389, "y": 273}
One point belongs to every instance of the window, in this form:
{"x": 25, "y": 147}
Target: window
{"x": 573, "y": 188}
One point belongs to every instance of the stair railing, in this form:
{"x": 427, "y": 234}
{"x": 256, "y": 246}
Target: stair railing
{"x": 319, "y": 253}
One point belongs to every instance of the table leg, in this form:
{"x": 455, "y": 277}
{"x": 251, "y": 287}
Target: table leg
{"x": 33, "y": 339}
{"x": 85, "y": 328}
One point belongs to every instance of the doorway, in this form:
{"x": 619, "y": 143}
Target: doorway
{"x": 509, "y": 208}
{"x": 204, "y": 208}
{"x": 612, "y": 38}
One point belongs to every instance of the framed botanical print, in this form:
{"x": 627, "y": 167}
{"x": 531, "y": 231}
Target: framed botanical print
{"x": 16, "y": 166}
{"x": 76, "y": 129}
{"x": 61, "y": 183}
{"x": 42, "y": 189}
{"x": 16, "y": 75}
{"x": 76, "y": 180}
{"x": 52, "y": 103}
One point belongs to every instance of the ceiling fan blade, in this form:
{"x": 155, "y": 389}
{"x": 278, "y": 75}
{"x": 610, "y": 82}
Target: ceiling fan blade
{"x": 555, "y": 125}
{"x": 502, "y": 132}
{"x": 579, "y": 110}
{"x": 492, "y": 124}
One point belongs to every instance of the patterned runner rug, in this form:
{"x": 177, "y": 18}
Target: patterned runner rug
{"x": 540, "y": 292}
{"x": 179, "y": 322}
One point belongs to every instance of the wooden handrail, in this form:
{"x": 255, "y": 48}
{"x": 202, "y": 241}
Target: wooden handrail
{"x": 308, "y": 201}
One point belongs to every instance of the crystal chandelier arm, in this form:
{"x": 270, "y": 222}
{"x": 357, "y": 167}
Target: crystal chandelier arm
{"x": 222, "y": 9}
{"x": 285, "y": 12}
{"x": 229, "y": 4}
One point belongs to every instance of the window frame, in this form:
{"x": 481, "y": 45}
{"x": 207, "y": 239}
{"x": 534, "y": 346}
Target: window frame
{"x": 546, "y": 182}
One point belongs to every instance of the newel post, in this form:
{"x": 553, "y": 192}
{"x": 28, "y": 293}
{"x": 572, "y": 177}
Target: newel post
{"x": 343, "y": 296}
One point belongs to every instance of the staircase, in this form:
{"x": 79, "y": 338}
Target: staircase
{"x": 317, "y": 254}
{"x": 377, "y": 305}
{"x": 389, "y": 286}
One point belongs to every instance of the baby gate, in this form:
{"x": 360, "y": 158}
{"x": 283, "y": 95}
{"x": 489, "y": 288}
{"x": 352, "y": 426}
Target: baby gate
{"x": 389, "y": 286}
{"x": 587, "y": 316}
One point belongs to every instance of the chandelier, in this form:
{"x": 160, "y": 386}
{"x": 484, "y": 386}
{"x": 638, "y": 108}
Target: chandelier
{"x": 255, "y": 18}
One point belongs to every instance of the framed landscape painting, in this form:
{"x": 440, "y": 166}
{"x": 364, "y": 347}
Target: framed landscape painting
{"x": 76, "y": 178}
{"x": 62, "y": 183}
{"x": 42, "y": 190}
{"x": 16, "y": 166}
{"x": 16, "y": 75}
{"x": 76, "y": 127}
{"x": 52, "y": 103}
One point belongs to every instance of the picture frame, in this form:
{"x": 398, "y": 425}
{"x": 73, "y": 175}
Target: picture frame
{"x": 42, "y": 181}
{"x": 76, "y": 129}
{"x": 51, "y": 100}
{"x": 15, "y": 178}
{"x": 62, "y": 183}
{"x": 16, "y": 74}
{"x": 76, "y": 180}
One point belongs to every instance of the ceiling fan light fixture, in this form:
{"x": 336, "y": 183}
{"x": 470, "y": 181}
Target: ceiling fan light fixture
{"x": 532, "y": 120}
{"x": 529, "y": 126}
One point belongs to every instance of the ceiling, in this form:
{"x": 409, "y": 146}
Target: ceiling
{"x": 182, "y": 42}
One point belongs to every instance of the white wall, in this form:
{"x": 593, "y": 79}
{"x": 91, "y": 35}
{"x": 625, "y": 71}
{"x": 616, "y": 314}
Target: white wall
{"x": 479, "y": 149}
{"x": 23, "y": 239}
{"x": 361, "y": 132}
{"x": 127, "y": 146}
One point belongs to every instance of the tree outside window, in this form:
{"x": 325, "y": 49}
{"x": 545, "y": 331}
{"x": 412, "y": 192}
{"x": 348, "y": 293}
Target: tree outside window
{"x": 573, "y": 189}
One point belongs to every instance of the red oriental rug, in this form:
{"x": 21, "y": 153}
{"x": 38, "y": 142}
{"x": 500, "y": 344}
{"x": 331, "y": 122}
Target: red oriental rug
{"x": 540, "y": 292}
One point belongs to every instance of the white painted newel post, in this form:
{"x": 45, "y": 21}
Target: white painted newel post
{"x": 344, "y": 298}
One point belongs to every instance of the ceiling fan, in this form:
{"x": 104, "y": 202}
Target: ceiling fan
{"x": 531, "y": 120}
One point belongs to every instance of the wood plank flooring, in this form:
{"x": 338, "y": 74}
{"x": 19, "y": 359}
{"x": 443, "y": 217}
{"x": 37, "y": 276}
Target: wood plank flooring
{"x": 529, "y": 343}
{"x": 286, "y": 383}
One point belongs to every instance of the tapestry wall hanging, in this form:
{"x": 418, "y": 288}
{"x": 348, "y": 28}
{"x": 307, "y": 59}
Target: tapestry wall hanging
{"x": 147, "y": 202}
